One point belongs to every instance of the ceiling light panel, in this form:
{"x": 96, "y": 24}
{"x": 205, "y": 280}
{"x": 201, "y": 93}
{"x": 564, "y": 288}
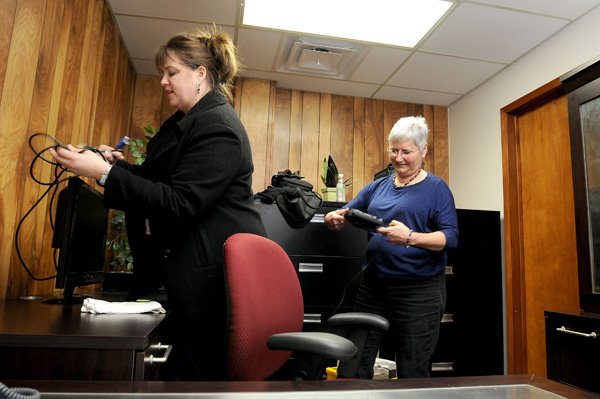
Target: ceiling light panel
{"x": 393, "y": 22}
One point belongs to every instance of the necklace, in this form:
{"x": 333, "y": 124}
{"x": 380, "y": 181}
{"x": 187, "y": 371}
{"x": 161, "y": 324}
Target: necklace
{"x": 406, "y": 183}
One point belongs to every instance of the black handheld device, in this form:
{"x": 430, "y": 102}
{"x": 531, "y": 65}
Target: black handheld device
{"x": 363, "y": 220}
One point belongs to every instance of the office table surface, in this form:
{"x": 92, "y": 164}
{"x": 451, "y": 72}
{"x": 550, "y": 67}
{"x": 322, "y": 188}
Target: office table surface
{"x": 488, "y": 387}
{"x": 25, "y": 323}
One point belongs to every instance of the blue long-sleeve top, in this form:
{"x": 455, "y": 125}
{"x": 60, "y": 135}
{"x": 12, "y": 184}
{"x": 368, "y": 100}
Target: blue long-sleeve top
{"x": 424, "y": 207}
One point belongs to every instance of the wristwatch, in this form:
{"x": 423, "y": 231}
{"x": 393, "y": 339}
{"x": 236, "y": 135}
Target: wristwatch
{"x": 104, "y": 175}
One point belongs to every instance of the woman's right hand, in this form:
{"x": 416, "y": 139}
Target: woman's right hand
{"x": 335, "y": 220}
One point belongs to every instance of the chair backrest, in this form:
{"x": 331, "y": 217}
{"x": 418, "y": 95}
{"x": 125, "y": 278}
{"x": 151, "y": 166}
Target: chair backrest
{"x": 264, "y": 299}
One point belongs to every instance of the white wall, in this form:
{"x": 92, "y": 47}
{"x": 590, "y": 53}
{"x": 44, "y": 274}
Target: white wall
{"x": 475, "y": 148}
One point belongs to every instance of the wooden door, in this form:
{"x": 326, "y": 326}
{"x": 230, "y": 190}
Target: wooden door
{"x": 540, "y": 239}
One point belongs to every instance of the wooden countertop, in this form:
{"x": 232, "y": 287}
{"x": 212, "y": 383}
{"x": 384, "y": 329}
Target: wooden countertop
{"x": 490, "y": 386}
{"x": 33, "y": 323}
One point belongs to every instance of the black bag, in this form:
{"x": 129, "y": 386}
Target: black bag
{"x": 288, "y": 179}
{"x": 298, "y": 206}
{"x": 294, "y": 197}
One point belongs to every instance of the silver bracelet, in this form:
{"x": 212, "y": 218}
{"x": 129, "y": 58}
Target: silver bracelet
{"x": 407, "y": 245}
{"x": 102, "y": 180}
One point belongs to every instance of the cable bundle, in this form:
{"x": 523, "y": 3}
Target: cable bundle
{"x": 58, "y": 172}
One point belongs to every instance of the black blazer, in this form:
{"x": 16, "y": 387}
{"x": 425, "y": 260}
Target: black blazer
{"x": 194, "y": 187}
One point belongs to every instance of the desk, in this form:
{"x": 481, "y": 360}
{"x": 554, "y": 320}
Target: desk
{"x": 486, "y": 387}
{"x": 572, "y": 349}
{"x": 43, "y": 341}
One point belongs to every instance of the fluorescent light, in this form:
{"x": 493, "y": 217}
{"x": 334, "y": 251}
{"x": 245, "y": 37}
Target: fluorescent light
{"x": 393, "y": 22}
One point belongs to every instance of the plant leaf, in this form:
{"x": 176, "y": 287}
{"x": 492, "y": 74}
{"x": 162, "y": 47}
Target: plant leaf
{"x": 332, "y": 173}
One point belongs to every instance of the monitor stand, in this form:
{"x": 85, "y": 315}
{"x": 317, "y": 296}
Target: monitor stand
{"x": 72, "y": 299}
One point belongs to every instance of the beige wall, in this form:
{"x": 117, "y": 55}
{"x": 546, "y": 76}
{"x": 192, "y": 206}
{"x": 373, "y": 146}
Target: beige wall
{"x": 475, "y": 151}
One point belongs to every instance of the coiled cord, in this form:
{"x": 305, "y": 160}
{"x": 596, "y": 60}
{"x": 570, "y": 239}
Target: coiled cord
{"x": 58, "y": 172}
{"x": 18, "y": 393}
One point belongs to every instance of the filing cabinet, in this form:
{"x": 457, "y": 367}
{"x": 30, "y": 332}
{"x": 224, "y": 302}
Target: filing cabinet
{"x": 328, "y": 262}
{"x": 471, "y": 338}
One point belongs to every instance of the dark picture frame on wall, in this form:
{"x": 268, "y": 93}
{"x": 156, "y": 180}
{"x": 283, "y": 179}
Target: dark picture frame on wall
{"x": 583, "y": 88}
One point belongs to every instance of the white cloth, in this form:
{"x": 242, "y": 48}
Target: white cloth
{"x": 91, "y": 305}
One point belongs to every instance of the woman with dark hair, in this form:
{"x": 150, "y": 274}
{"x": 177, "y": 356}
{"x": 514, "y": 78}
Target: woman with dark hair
{"x": 192, "y": 192}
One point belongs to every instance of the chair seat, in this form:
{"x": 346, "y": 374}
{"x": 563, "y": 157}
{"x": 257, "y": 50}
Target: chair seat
{"x": 325, "y": 344}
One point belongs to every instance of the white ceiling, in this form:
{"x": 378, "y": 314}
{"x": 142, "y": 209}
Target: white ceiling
{"x": 475, "y": 40}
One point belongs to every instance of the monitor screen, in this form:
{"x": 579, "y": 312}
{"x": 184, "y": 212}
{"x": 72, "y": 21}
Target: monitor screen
{"x": 80, "y": 237}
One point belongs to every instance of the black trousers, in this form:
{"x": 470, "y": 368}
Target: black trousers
{"x": 196, "y": 325}
{"x": 414, "y": 310}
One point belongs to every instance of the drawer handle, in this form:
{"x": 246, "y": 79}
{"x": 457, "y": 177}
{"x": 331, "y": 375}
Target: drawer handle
{"x": 159, "y": 347}
{"x": 563, "y": 329}
{"x": 442, "y": 366}
{"x": 310, "y": 267}
{"x": 318, "y": 218}
{"x": 448, "y": 318}
{"x": 312, "y": 317}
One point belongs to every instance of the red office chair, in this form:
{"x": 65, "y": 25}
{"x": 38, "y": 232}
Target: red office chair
{"x": 266, "y": 313}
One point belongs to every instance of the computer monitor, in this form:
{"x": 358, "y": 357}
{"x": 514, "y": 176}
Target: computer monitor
{"x": 80, "y": 237}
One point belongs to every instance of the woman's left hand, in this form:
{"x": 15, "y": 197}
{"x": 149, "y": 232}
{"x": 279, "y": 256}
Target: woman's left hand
{"x": 110, "y": 154}
{"x": 397, "y": 232}
{"x": 82, "y": 163}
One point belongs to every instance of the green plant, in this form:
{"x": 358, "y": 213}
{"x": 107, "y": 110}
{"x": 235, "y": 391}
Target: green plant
{"x": 330, "y": 174}
{"x": 118, "y": 245}
{"x": 137, "y": 147}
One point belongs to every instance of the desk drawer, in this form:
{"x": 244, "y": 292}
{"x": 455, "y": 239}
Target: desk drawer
{"x": 66, "y": 364}
{"x": 442, "y": 360}
{"x": 573, "y": 350}
{"x": 327, "y": 280}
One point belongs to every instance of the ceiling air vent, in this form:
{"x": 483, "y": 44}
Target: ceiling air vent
{"x": 320, "y": 59}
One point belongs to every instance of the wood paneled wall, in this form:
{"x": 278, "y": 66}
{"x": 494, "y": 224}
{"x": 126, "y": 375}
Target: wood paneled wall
{"x": 296, "y": 130}
{"x": 63, "y": 71}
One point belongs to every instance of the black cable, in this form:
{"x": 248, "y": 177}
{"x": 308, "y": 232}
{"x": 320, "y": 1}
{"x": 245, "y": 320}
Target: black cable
{"x": 19, "y": 225}
{"x": 58, "y": 171}
{"x": 362, "y": 270}
{"x": 57, "y": 144}
{"x": 40, "y": 155}
{"x": 348, "y": 284}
